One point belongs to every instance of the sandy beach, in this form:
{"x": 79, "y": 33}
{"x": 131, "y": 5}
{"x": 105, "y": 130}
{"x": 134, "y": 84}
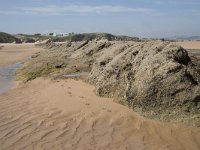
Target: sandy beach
{"x": 66, "y": 114}
{"x": 13, "y": 53}
{"x": 189, "y": 44}
{"x": 11, "y": 57}
{"x": 193, "y": 47}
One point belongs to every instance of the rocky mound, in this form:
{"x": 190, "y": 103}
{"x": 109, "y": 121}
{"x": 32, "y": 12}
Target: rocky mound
{"x": 62, "y": 59}
{"x": 155, "y": 78}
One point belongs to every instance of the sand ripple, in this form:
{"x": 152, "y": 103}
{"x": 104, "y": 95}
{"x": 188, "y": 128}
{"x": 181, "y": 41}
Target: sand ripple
{"x": 67, "y": 115}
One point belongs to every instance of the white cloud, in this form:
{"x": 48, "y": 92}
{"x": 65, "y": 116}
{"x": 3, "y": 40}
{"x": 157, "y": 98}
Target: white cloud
{"x": 68, "y": 9}
{"x": 82, "y": 9}
{"x": 178, "y": 2}
{"x": 10, "y": 12}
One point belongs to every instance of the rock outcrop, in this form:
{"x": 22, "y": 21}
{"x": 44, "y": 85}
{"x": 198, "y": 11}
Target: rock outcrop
{"x": 155, "y": 78}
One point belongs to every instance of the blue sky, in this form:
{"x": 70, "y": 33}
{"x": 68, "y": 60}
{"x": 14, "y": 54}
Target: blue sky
{"x": 143, "y": 18}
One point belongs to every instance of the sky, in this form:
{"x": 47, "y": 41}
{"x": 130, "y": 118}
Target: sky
{"x": 142, "y": 18}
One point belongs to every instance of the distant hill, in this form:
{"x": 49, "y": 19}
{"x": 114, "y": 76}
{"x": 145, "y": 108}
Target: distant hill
{"x": 94, "y": 36}
{"x": 7, "y": 38}
{"x": 26, "y": 38}
{"x": 184, "y": 38}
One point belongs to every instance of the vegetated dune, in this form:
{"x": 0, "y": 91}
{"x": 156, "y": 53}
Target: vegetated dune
{"x": 66, "y": 114}
{"x": 157, "y": 79}
{"x": 28, "y": 38}
{"x": 94, "y": 36}
{"x": 7, "y": 38}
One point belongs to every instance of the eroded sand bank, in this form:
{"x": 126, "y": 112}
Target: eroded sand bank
{"x": 66, "y": 114}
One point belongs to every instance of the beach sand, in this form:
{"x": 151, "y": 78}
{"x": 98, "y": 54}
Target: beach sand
{"x": 193, "y": 47}
{"x": 13, "y": 53}
{"x": 189, "y": 44}
{"x": 66, "y": 114}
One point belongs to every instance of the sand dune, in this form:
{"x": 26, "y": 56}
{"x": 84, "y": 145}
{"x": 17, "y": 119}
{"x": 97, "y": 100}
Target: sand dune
{"x": 45, "y": 114}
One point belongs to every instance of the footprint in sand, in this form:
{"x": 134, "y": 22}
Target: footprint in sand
{"x": 87, "y": 104}
{"x": 70, "y": 93}
{"x": 108, "y": 110}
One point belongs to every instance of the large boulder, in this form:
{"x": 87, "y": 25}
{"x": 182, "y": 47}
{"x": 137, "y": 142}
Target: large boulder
{"x": 156, "y": 78}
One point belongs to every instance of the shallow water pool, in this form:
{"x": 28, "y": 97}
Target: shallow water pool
{"x": 78, "y": 74}
{"x": 7, "y": 76}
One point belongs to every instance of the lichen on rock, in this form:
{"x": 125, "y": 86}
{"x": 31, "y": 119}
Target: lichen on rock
{"x": 156, "y": 78}
{"x": 153, "y": 76}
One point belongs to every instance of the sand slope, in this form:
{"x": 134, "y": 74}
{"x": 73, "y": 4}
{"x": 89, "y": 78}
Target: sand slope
{"x": 44, "y": 114}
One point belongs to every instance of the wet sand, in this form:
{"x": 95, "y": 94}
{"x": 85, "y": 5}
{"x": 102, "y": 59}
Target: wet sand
{"x": 66, "y": 114}
{"x": 7, "y": 76}
{"x": 13, "y": 53}
{"x": 10, "y": 57}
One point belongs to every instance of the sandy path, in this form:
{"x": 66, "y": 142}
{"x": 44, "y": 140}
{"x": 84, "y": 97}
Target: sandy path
{"x": 13, "y": 53}
{"x": 44, "y": 114}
